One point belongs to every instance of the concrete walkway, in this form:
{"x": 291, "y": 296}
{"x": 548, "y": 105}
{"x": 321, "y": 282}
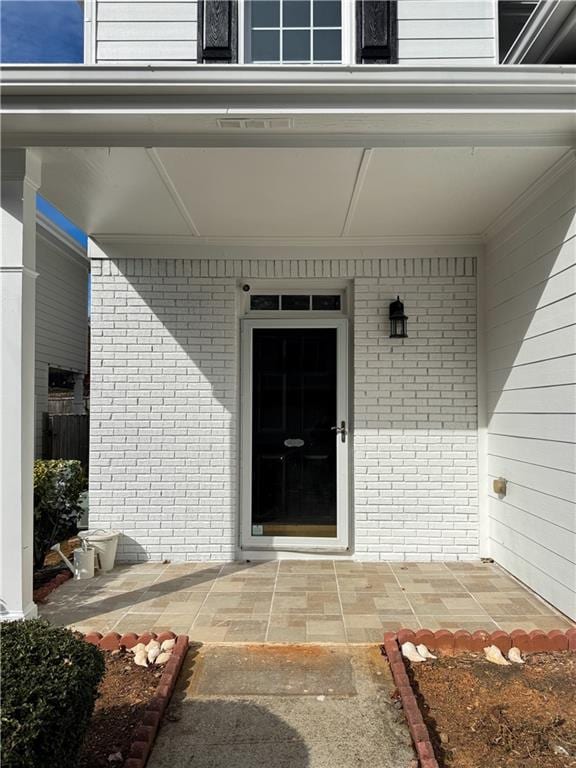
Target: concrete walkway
{"x": 283, "y": 706}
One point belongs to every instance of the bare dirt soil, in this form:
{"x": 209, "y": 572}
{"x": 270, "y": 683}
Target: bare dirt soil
{"x": 123, "y": 695}
{"x": 485, "y": 716}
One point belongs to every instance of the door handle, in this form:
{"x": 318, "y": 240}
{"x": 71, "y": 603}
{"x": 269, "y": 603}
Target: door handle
{"x": 341, "y": 430}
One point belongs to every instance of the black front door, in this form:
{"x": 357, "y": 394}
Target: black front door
{"x": 293, "y": 443}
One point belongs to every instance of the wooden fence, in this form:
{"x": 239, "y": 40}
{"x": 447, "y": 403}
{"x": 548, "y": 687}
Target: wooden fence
{"x": 65, "y": 437}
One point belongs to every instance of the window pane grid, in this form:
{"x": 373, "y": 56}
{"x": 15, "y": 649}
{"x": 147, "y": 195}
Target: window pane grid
{"x": 314, "y": 40}
{"x": 296, "y": 302}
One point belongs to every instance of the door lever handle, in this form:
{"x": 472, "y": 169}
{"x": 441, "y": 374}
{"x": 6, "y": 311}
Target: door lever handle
{"x": 341, "y": 430}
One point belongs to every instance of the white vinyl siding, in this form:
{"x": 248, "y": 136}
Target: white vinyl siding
{"x": 446, "y": 32}
{"x": 61, "y": 317}
{"x": 130, "y": 31}
{"x": 111, "y": 10}
{"x": 146, "y": 32}
{"x": 430, "y": 32}
{"x": 531, "y": 382}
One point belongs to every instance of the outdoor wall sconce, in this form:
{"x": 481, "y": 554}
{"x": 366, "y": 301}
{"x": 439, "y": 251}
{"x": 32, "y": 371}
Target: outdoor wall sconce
{"x": 500, "y": 487}
{"x": 398, "y": 325}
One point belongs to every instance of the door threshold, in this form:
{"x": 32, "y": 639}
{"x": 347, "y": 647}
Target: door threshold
{"x": 294, "y": 553}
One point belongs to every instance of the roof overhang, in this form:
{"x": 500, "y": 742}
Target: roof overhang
{"x": 82, "y": 105}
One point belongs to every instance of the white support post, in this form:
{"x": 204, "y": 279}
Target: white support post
{"x": 20, "y": 171}
{"x": 482, "y": 404}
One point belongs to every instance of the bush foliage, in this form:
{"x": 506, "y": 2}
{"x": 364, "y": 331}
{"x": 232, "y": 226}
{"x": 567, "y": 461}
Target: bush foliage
{"x": 58, "y": 484}
{"x": 50, "y": 680}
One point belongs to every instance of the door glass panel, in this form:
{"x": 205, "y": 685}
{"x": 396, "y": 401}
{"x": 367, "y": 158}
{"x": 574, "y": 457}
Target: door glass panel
{"x": 293, "y": 445}
{"x": 264, "y": 302}
{"x": 296, "y": 302}
{"x": 326, "y": 303}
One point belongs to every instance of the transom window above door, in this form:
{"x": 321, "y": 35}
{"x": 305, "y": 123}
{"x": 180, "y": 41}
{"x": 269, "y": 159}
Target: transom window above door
{"x": 293, "y": 31}
{"x": 296, "y": 302}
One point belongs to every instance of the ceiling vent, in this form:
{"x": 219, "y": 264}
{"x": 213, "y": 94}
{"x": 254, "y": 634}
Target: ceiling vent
{"x": 256, "y": 124}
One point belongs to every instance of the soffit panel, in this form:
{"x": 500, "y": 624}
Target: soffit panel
{"x": 264, "y": 192}
{"x": 444, "y": 190}
{"x": 116, "y": 190}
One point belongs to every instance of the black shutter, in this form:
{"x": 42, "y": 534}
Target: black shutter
{"x": 376, "y": 32}
{"x": 218, "y": 31}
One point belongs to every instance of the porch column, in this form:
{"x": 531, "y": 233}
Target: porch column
{"x": 20, "y": 172}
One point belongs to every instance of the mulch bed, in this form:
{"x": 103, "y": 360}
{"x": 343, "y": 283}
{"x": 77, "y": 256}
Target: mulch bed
{"x": 123, "y": 697}
{"x": 480, "y": 714}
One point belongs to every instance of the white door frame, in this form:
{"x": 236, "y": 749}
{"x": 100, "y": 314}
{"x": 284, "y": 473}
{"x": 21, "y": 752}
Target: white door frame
{"x": 294, "y": 543}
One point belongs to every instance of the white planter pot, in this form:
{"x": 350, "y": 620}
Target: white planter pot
{"x": 105, "y": 544}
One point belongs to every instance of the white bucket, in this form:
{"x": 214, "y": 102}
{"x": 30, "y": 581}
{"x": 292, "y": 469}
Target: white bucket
{"x": 84, "y": 563}
{"x": 105, "y": 544}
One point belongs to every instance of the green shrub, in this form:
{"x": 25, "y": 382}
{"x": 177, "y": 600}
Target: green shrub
{"x": 49, "y": 685}
{"x": 58, "y": 484}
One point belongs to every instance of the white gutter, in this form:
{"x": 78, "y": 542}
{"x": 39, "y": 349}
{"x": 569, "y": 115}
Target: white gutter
{"x": 80, "y": 79}
{"x": 118, "y": 105}
{"x": 541, "y": 31}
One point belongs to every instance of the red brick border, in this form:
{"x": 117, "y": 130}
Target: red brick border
{"x": 416, "y": 725}
{"x": 39, "y": 595}
{"x": 450, "y": 643}
{"x": 145, "y": 734}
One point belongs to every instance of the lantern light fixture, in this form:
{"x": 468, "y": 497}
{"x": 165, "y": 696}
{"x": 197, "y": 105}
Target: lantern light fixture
{"x": 398, "y": 324}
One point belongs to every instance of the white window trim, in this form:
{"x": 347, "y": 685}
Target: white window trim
{"x": 246, "y": 310}
{"x": 347, "y": 40}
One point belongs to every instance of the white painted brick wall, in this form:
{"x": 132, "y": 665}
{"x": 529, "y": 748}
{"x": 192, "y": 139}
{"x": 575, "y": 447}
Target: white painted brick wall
{"x": 415, "y": 436}
{"x": 164, "y": 405}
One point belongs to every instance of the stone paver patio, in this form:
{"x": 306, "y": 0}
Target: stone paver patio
{"x": 299, "y": 601}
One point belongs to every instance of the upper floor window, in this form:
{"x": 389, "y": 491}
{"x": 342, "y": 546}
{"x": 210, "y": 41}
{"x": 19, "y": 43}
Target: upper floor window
{"x": 293, "y": 32}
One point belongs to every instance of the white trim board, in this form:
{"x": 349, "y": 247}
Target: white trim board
{"x": 46, "y": 229}
{"x": 563, "y": 165}
{"x": 561, "y": 136}
{"x": 419, "y": 241}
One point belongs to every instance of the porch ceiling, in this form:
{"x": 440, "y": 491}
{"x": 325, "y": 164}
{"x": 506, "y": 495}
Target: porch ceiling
{"x": 263, "y": 192}
{"x": 339, "y": 153}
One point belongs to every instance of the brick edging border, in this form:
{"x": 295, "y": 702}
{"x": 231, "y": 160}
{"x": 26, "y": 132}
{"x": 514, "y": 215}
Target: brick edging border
{"x": 449, "y": 643}
{"x": 416, "y": 724}
{"x": 145, "y": 734}
{"x": 39, "y": 595}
